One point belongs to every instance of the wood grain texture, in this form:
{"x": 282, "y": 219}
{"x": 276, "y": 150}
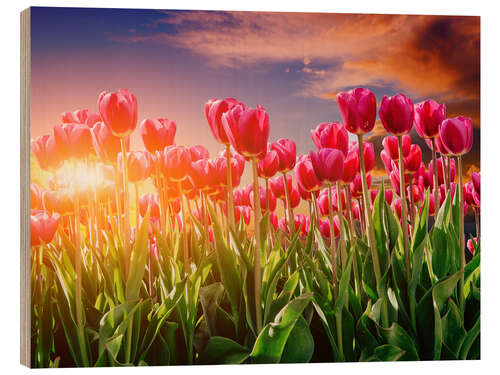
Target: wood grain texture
{"x": 25, "y": 189}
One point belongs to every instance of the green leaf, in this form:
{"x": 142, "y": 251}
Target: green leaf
{"x": 223, "y": 351}
{"x": 299, "y": 347}
{"x": 138, "y": 261}
{"x": 343, "y": 285}
{"x": 386, "y": 353}
{"x": 271, "y": 341}
{"x": 395, "y": 335}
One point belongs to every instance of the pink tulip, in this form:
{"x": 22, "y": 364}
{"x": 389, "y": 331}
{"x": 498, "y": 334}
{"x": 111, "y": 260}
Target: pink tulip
{"x": 476, "y": 180}
{"x": 176, "y": 163}
{"x": 43, "y": 227}
{"x": 358, "y": 108}
{"x": 356, "y": 185}
{"x": 269, "y": 165}
{"x": 413, "y": 160}
{"x": 390, "y": 144}
{"x": 324, "y": 227}
{"x": 456, "y": 135}
{"x": 81, "y": 116}
{"x": 439, "y": 167}
{"x": 36, "y": 192}
{"x": 263, "y": 200}
{"x": 220, "y": 171}
{"x": 60, "y": 201}
{"x": 106, "y": 145}
{"x": 46, "y": 152}
{"x": 237, "y": 157}
{"x": 242, "y": 212}
{"x": 118, "y": 111}
{"x": 331, "y": 135}
{"x": 302, "y": 224}
{"x": 214, "y": 109}
{"x": 306, "y": 177}
{"x": 139, "y": 165}
{"x": 198, "y": 152}
{"x": 294, "y": 198}
{"x": 470, "y": 244}
{"x": 278, "y": 187}
{"x": 149, "y": 201}
{"x": 157, "y": 133}
{"x": 273, "y": 218}
{"x": 328, "y": 164}
{"x": 287, "y": 154}
{"x": 73, "y": 140}
{"x": 203, "y": 174}
{"x": 247, "y": 130}
{"x": 351, "y": 166}
{"x": 428, "y": 117}
{"x": 397, "y": 114}
{"x": 471, "y": 197}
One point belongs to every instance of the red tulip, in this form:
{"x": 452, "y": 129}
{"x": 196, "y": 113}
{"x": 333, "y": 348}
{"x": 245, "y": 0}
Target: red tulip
{"x": 263, "y": 200}
{"x": 176, "y": 163}
{"x": 397, "y": 114}
{"x": 476, "y": 180}
{"x": 220, "y": 171}
{"x": 149, "y": 201}
{"x": 234, "y": 155}
{"x": 428, "y": 117}
{"x": 351, "y": 166}
{"x": 278, "y": 187}
{"x": 306, "y": 177}
{"x": 358, "y": 108}
{"x": 324, "y": 204}
{"x": 328, "y": 164}
{"x": 73, "y": 140}
{"x": 287, "y": 154}
{"x": 36, "y": 193}
{"x": 242, "y": 212}
{"x": 269, "y": 165}
{"x": 294, "y": 197}
{"x": 203, "y": 174}
{"x": 273, "y": 218}
{"x": 247, "y": 130}
{"x": 471, "y": 243}
{"x": 157, "y": 133}
{"x": 413, "y": 160}
{"x": 118, "y": 111}
{"x": 418, "y": 193}
{"x": 439, "y": 166}
{"x": 139, "y": 165}
{"x": 369, "y": 155}
{"x": 331, "y": 135}
{"x": 324, "y": 227}
{"x": 386, "y": 159}
{"x": 302, "y": 224}
{"x": 60, "y": 201}
{"x": 43, "y": 227}
{"x": 46, "y": 152}
{"x": 214, "y": 109}
{"x": 107, "y": 146}
{"x": 304, "y": 194}
{"x": 81, "y": 116}
{"x": 390, "y": 144}
{"x": 471, "y": 197}
{"x": 456, "y": 135}
{"x": 198, "y": 152}
{"x": 356, "y": 186}
{"x": 388, "y": 194}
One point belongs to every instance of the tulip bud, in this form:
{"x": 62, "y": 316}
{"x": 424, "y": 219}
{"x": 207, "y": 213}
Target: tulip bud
{"x": 269, "y": 165}
{"x": 331, "y": 135}
{"x": 328, "y": 164}
{"x": 118, "y": 111}
{"x": 358, "y": 108}
{"x": 428, "y": 116}
{"x": 46, "y": 152}
{"x": 157, "y": 133}
{"x": 287, "y": 154}
{"x": 456, "y": 135}
{"x": 397, "y": 114}
{"x": 42, "y": 227}
{"x": 390, "y": 144}
{"x": 214, "y": 109}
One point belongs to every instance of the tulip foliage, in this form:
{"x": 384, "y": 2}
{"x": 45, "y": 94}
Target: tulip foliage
{"x": 162, "y": 257}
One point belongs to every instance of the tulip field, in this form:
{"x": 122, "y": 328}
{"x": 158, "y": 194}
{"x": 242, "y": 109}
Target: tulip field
{"x": 162, "y": 256}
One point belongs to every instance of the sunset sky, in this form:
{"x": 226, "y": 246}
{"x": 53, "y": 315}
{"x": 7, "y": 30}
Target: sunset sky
{"x": 291, "y": 63}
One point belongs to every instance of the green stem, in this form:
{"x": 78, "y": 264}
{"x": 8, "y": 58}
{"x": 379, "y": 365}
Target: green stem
{"x": 126, "y": 207}
{"x": 435, "y": 176}
{"x": 461, "y": 233}
{"x": 230, "y": 198}
{"x": 340, "y": 215}
{"x": 257, "y": 250}
{"x": 291, "y": 221}
{"x": 352, "y": 234}
{"x": 404, "y": 213}
{"x": 333, "y": 244}
{"x": 369, "y": 228}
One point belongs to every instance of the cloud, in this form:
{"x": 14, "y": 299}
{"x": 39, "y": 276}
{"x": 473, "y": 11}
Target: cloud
{"x": 422, "y": 56}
